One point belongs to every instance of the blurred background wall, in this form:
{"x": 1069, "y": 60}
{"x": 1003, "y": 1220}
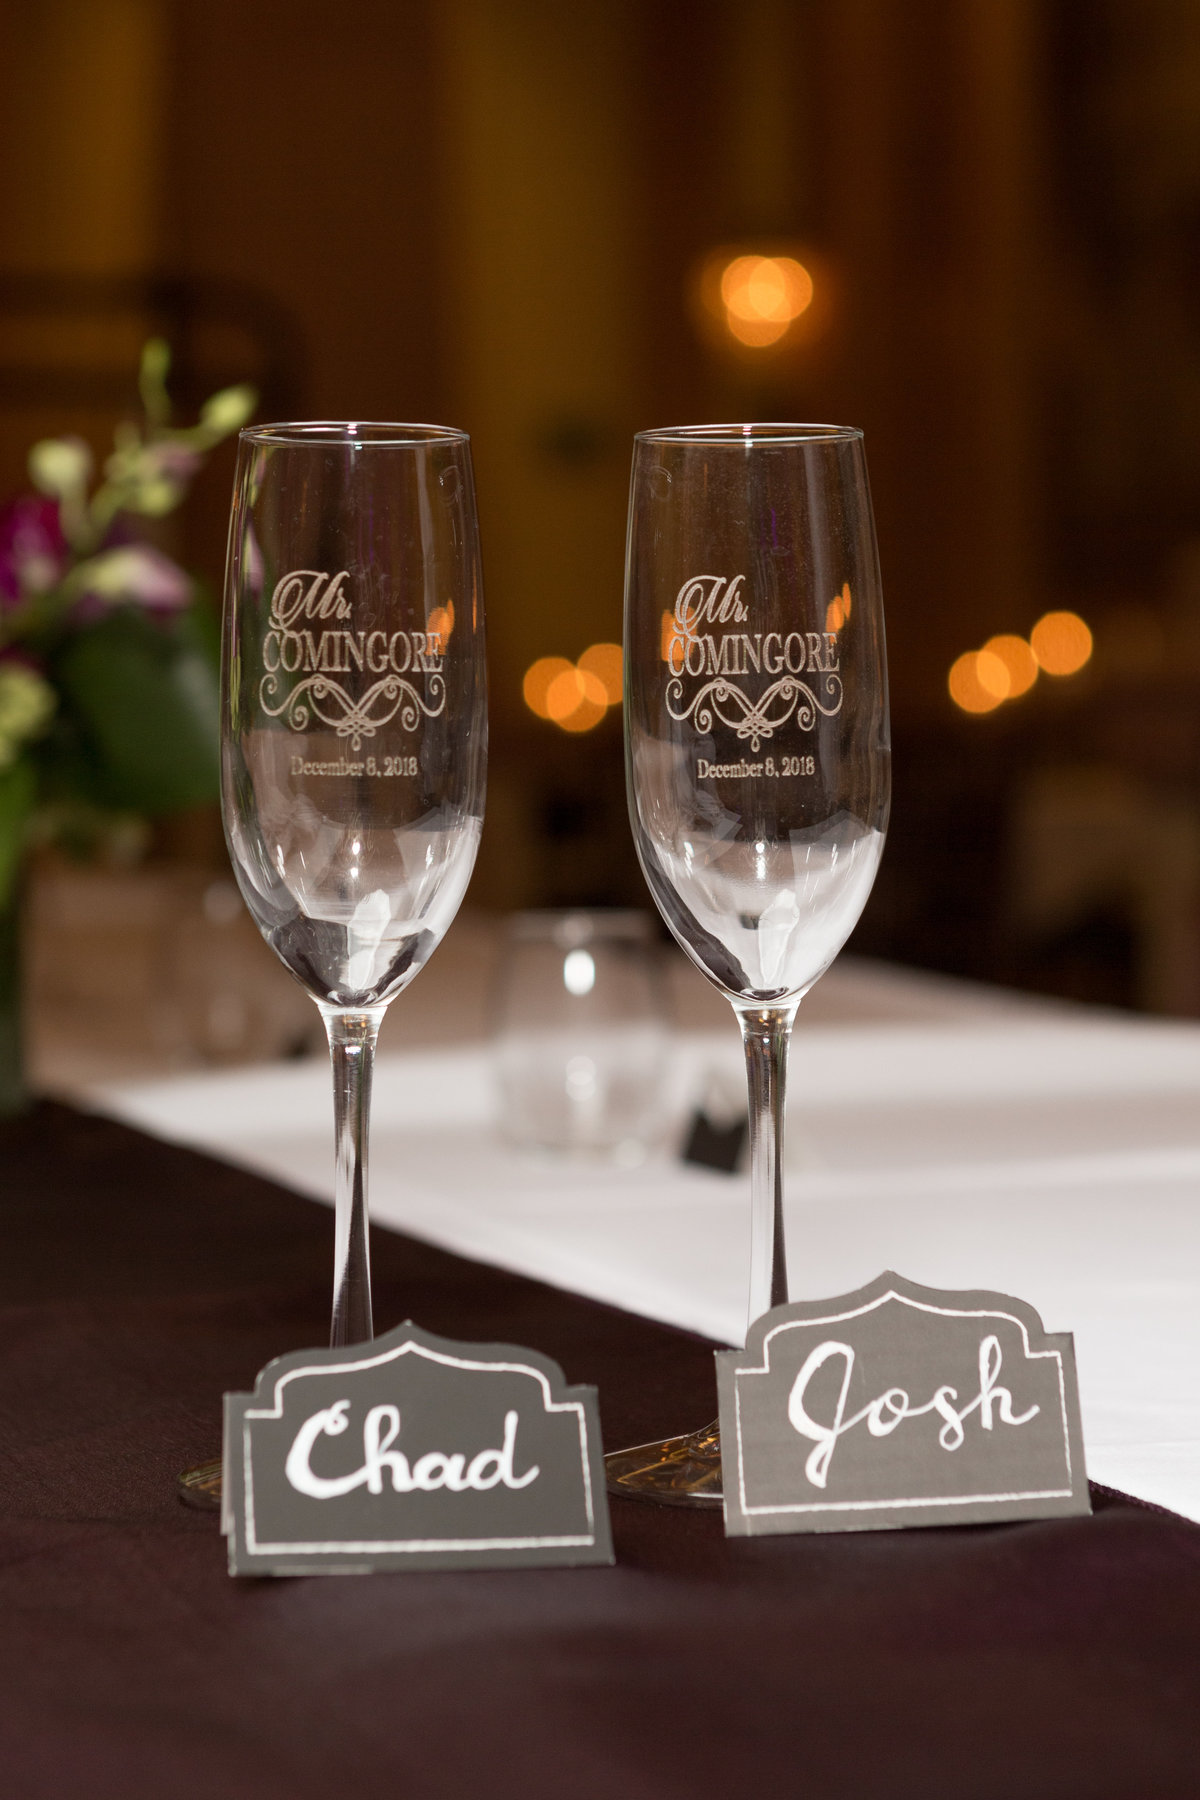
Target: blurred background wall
{"x": 509, "y": 214}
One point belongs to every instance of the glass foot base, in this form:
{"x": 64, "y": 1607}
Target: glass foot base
{"x": 677, "y": 1471}
{"x": 201, "y": 1487}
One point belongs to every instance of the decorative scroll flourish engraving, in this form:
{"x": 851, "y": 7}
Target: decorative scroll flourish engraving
{"x": 756, "y": 719}
{"x": 327, "y": 700}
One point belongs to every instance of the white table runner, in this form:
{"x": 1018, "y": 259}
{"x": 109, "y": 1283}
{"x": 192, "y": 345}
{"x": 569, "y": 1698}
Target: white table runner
{"x": 1049, "y": 1152}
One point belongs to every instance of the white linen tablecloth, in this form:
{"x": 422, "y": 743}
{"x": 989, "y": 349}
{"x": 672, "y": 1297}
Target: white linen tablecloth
{"x": 963, "y": 1137}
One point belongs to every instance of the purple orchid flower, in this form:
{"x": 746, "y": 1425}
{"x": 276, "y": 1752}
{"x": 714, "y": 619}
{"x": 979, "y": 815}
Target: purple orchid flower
{"x": 33, "y": 550}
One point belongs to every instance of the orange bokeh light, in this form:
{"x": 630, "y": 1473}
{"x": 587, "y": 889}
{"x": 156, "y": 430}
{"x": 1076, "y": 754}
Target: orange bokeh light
{"x": 763, "y": 296}
{"x": 1019, "y": 663}
{"x": 992, "y": 675}
{"x": 606, "y": 662}
{"x": 575, "y": 696}
{"x": 539, "y": 678}
{"x": 576, "y": 700}
{"x": 1061, "y": 642}
{"x": 758, "y": 299}
{"x": 968, "y": 690}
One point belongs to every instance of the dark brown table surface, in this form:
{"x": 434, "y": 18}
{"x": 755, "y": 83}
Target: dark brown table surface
{"x": 138, "y": 1281}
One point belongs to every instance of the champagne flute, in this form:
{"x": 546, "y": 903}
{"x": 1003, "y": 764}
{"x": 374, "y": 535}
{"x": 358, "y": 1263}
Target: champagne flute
{"x": 757, "y": 758}
{"x": 354, "y": 738}
{"x": 353, "y": 746}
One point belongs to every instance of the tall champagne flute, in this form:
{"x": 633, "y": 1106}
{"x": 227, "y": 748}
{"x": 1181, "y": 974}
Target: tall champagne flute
{"x": 354, "y": 737}
{"x": 758, "y": 763}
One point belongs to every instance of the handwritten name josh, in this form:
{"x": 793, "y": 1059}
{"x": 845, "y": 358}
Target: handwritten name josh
{"x": 889, "y": 1410}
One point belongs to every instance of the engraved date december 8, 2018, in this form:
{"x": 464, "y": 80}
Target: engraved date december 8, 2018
{"x": 744, "y": 769}
{"x": 382, "y": 767}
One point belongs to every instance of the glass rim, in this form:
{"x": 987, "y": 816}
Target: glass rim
{"x": 737, "y": 435}
{"x": 384, "y": 432}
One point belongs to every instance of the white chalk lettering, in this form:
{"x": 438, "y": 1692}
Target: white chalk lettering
{"x": 890, "y": 1409}
{"x": 434, "y": 1470}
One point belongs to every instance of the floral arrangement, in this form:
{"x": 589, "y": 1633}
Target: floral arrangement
{"x": 108, "y": 654}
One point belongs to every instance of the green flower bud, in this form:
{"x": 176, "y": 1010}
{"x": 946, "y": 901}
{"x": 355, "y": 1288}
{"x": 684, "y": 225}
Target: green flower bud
{"x": 227, "y": 411}
{"x": 60, "y": 467}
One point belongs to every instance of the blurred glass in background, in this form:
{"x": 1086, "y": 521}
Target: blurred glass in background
{"x": 581, "y": 1038}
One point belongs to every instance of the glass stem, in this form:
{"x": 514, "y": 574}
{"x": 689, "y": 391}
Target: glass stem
{"x": 352, "y": 1038}
{"x": 765, "y": 1034}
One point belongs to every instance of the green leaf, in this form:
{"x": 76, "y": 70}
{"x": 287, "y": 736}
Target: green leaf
{"x": 18, "y": 787}
{"x": 147, "y": 696}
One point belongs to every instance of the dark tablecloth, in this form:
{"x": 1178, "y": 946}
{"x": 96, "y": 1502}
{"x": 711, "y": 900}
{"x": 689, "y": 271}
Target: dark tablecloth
{"x": 140, "y": 1280}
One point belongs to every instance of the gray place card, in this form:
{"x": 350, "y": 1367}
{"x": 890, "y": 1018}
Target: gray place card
{"x": 412, "y": 1452}
{"x": 899, "y": 1405}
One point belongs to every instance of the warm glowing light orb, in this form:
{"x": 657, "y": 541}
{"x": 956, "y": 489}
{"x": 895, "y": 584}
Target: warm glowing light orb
{"x": 575, "y": 696}
{"x": 606, "y": 663}
{"x": 1019, "y": 662}
{"x": 968, "y": 690}
{"x": 763, "y": 296}
{"x": 992, "y": 675}
{"x": 539, "y": 678}
{"x": 576, "y": 700}
{"x": 1061, "y": 642}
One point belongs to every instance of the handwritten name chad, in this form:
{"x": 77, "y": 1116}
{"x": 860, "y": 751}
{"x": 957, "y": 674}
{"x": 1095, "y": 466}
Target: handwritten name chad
{"x": 486, "y": 1469}
{"x": 883, "y": 1415}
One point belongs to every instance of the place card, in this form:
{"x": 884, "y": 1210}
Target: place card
{"x": 712, "y": 1145}
{"x": 899, "y": 1405}
{"x": 718, "y": 1131}
{"x": 412, "y": 1452}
